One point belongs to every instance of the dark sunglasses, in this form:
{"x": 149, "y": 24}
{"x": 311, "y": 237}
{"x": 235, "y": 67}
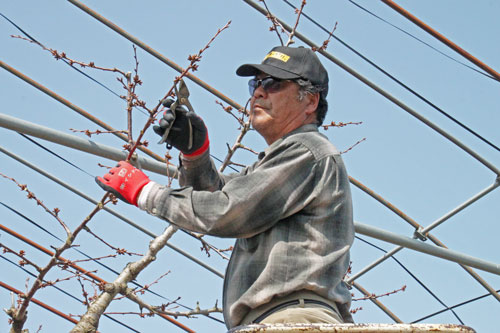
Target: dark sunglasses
{"x": 269, "y": 84}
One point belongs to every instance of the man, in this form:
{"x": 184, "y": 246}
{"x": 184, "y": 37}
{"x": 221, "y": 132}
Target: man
{"x": 290, "y": 211}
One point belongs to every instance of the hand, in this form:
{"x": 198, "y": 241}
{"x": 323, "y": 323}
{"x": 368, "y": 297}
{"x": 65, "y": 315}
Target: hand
{"x": 125, "y": 181}
{"x": 179, "y": 135}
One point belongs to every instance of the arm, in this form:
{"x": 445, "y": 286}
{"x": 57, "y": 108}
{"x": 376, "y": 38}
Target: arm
{"x": 281, "y": 184}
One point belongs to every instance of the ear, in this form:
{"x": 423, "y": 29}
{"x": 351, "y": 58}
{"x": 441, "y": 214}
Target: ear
{"x": 312, "y": 101}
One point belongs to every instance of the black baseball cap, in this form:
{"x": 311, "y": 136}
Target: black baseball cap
{"x": 288, "y": 63}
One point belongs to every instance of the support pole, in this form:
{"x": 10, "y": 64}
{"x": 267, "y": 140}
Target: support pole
{"x": 419, "y": 246}
{"x": 85, "y": 145}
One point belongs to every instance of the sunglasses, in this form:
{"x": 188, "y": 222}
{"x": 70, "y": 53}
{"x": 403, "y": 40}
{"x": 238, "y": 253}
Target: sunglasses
{"x": 269, "y": 84}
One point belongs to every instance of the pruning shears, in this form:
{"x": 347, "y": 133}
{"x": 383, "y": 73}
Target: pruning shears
{"x": 182, "y": 94}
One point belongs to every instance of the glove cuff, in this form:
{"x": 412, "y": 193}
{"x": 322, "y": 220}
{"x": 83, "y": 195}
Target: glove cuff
{"x": 143, "y": 195}
{"x": 135, "y": 194}
{"x": 201, "y": 150}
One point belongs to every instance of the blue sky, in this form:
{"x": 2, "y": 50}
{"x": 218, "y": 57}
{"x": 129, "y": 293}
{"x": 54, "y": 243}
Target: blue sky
{"x": 416, "y": 169}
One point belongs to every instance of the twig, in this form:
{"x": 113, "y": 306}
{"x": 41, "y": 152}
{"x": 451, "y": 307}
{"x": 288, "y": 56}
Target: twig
{"x": 354, "y": 145}
{"x": 245, "y": 128}
{"x": 193, "y": 66}
{"x": 62, "y": 55}
{"x": 275, "y": 22}
{"x": 146, "y": 287}
{"x": 374, "y": 296}
{"x": 292, "y": 33}
{"x": 39, "y": 202}
{"x": 89, "y": 133}
{"x": 21, "y": 254}
{"x": 119, "y": 251}
{"x": 340, "y": 124}
{"x": 207, "y": 246}
{"x": 325, "y": 43}
{"x": 84, "y": 292}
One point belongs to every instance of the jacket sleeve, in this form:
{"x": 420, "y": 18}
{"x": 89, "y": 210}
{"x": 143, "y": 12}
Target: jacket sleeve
{"x": 279, "y": 185}
{"x": 201, "y": 174}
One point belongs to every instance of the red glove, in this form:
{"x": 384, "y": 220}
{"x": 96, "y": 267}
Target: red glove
{"x": 125, "y": 181}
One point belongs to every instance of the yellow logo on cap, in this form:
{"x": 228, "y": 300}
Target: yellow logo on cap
{"x": 277, "y": 55}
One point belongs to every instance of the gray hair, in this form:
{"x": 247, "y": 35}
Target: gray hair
{"x": 305, "y": 88}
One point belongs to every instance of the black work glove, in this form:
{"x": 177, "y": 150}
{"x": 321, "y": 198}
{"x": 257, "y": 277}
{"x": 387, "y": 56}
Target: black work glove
{"x": 179, "y": 134}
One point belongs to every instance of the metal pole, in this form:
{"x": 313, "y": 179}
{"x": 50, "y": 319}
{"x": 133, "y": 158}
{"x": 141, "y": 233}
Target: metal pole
{"x": 39, "y": 303}
{"x": 154, "y": 53}
{"x": 427, "y": 229}
{"x": 436, "y": 251}
{"x": 383, "y": 92}
{"x": 422, "y": 233}
{"x": 384, "y": 202}
{"x": 373, "y": 264}
{"x": 461, "y": 207}
{"x": 74, "y": 107}
{"x": 442, "y": 38}
{"x": 85, "y": 145}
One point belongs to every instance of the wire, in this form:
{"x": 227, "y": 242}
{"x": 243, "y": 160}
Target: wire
{"x": 53, "y": 153}
{"x": 453, "y": 307}
{"x": 401, "y": 83}
{"x": 421, "y": 41}
{"x": 414, "y": 277}
{"x": 66, "y": 293}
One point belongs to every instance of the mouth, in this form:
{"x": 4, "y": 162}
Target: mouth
{"x": 258, "y": 107}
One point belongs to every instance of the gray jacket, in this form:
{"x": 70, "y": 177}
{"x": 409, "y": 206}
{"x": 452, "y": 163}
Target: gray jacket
{"x": 290, "y": 211}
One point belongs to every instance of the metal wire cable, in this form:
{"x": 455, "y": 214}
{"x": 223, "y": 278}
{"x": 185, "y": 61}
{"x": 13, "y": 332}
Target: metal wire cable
{"x": 55, "y": 154}
{"x": 421, "y": 41}
{"x": 453, "y": 307}
{"x": 414, "y": 277}
{"x": 422, "y": 98}
{"x": 67, "y": 293}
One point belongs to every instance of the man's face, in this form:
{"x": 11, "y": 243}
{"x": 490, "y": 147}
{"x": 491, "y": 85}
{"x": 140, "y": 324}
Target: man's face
{"x": 276, "y": 113}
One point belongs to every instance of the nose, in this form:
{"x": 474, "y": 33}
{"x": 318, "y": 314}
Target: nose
{"x": 259, "y": 92}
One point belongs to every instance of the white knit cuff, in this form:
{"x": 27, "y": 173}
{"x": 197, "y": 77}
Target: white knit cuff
{"x": 143, "y": 196}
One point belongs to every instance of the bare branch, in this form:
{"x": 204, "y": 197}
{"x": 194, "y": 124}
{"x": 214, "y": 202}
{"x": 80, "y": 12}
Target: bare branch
{"x": 245, "y": 128}
{"x": 325, "y": 43}
{"x": 162, "y": 309}
{"x": 119, "y": 251}
{"x": 62, "y": 55}
{"x": 275, "y": 22}
{"x": 21, "y": 254}
{"x": 354, "y": 145}
{"x": 39, "y": 202}
{"x": 340, "y": 124}
{"x": 193, "y": 66}
{"x": 97, "y": 132}
{"x": 90, "y": 320}
{"x": 374, "y": 296}
{"x": 292, "y": 33}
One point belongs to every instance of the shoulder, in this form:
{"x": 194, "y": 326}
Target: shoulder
{"x": 313, "y": 141}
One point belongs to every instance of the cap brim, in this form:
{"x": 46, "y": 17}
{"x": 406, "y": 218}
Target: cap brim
{"x": 254, "y": 69}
